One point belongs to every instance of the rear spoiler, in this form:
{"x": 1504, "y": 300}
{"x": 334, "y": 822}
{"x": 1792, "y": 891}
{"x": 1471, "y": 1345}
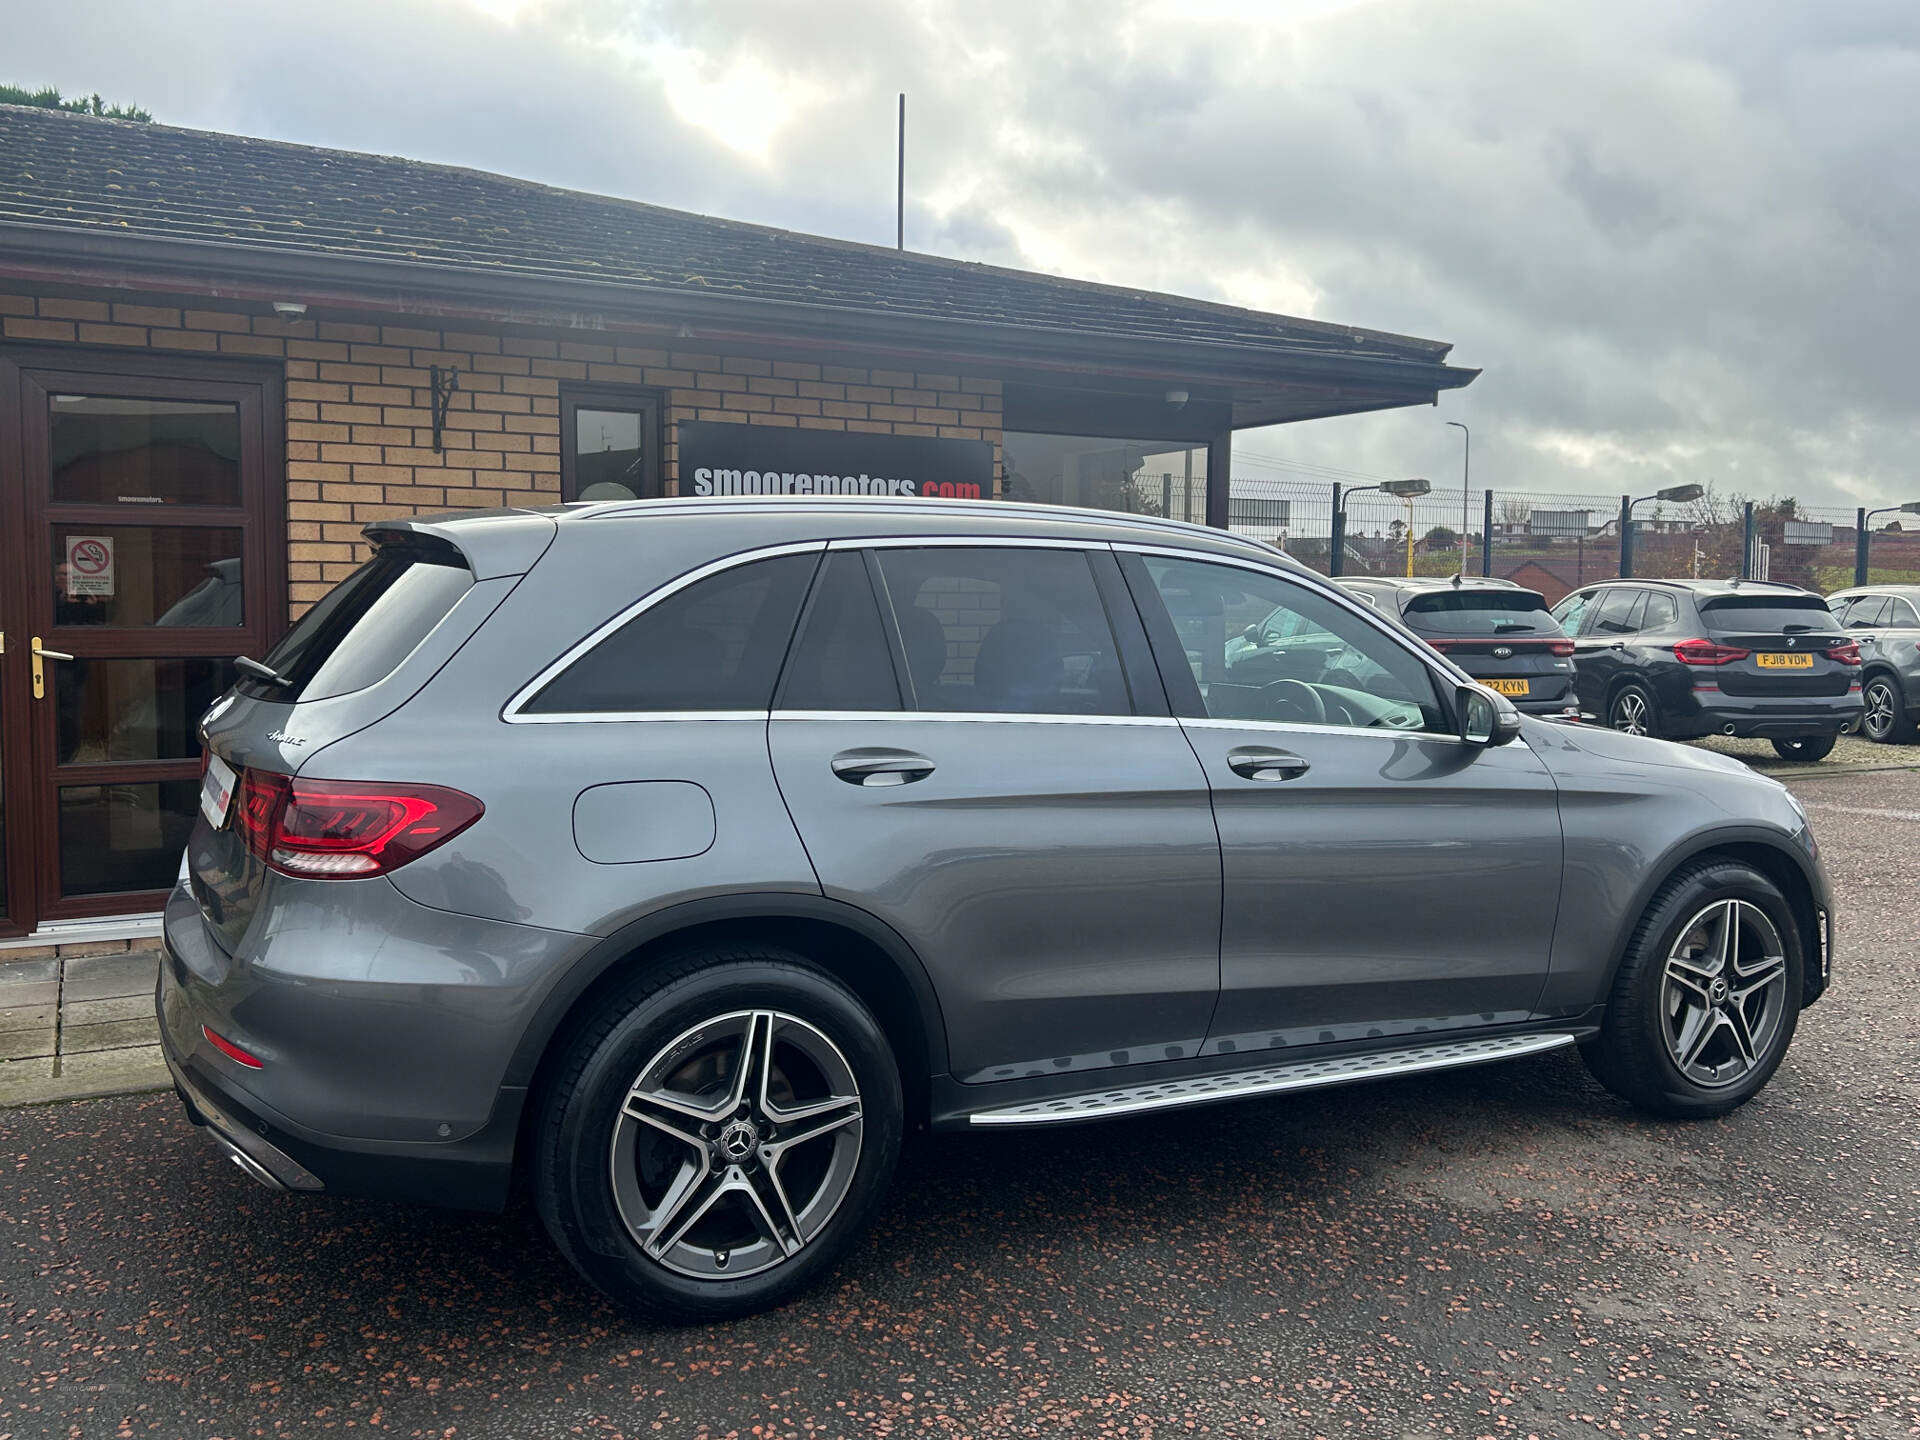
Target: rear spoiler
{"x": 491, "y": 542}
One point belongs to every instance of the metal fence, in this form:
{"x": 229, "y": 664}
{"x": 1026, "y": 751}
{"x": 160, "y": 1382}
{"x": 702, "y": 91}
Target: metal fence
{"x": 1555, "y": 543}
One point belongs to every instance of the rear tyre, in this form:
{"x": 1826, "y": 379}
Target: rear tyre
{"x": 1706, "y": 1000}
{"x": 718, "y": 1134}
{"x": 1632, "y": 711}
{"x": 1886, "y": 721}
{"x": 1805, "y": 747}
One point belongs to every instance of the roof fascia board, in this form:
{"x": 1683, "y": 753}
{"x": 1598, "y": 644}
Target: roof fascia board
{"x": 59, "y": 254}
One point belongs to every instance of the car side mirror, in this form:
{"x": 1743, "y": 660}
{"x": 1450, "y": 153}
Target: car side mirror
{"x": 1251, "y": 635}
{"x": 1486, "y": 719}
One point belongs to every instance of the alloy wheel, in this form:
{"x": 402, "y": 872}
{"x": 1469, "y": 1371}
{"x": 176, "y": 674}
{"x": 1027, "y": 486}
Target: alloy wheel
{"x": 736, "y": 1144}
{"x": 1630, "y": 713}
{"x": 1723, "y": 993}
{"x": 1878, "y": 722}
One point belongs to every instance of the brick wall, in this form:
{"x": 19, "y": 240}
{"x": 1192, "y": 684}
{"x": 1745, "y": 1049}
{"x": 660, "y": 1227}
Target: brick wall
{"x": 359, "y": 436}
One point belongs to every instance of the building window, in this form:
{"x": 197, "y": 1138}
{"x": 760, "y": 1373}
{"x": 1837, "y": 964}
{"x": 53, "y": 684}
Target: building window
{"x": 609, "y": 444}
{"x": 1138, "y": 477}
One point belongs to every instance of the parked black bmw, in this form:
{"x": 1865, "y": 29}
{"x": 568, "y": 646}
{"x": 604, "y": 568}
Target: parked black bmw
{"x": 1498, "y": 632}
{"x": 1687, "y": 658}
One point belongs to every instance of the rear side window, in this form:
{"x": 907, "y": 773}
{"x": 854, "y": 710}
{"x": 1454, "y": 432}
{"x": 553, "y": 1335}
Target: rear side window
{"x": 1662, "y": 611}
{"x": 840, "y": 660}
{"x": 1480, "y": 612}
{"x": 715, "y": 645}
{"x": 1768, "y": 614}
{"x": 1616, "y": 612}
{"x": 1004, "y": 631}
{"x": 1868, "y": 610}
{"x": 358, "y": 634}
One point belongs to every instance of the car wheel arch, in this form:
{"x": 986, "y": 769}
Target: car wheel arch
{"x": 857, "y": 948}
{"x": 1772, "y": 854}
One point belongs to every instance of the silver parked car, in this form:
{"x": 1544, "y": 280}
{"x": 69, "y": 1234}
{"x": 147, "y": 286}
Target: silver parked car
{"x": 679, "y": 855}
{"x": 1885, "y": 620}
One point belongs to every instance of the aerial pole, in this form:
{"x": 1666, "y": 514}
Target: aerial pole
{"x": 900, "y": 181}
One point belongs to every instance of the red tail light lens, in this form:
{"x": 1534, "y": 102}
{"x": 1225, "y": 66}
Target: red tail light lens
{"x": 232, "y": 1051}
{"x": 1707, "y": 652}
{"x": 336, "y": 830}
{"x": 1847, "y": 652}
{"x": 1560, "y": 647}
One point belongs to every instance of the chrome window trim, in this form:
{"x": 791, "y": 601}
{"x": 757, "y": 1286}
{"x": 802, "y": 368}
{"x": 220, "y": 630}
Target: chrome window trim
{"x": 1374, "y": 619}
{"x": 970, "y": 542}
{"x": 1305, "y": 728}
{"x": 992, "y": 717}
{"x": 512, "y": 713}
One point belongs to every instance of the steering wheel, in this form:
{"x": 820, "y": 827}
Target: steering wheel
{"x": 1295, "y": 695}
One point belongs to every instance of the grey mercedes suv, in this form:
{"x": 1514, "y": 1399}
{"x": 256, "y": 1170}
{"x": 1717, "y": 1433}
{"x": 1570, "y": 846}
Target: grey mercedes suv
{"x": 675, "y": 857}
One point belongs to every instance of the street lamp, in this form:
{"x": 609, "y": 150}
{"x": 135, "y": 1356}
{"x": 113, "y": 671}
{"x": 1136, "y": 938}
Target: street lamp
{"x": 1406, "y": 490}
{"x": 1679, "y": 494}
{"x": 1863, "y": 534}
{"x": 1466, "y": 482}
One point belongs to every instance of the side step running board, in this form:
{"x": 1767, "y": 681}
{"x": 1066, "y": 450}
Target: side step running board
{"x": 1271, "y": 1079}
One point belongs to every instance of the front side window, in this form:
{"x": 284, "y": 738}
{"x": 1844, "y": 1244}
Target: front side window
{"x": 714, "y": 645}
{"x": 1258, "y": 647}
{"x": 1570, "y": 611}
{"x": 1867, "y": 612}
{"x": 1003, "y": 631}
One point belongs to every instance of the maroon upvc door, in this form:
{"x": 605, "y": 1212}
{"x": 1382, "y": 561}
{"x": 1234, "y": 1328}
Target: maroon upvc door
{"x": 146, "y": 544}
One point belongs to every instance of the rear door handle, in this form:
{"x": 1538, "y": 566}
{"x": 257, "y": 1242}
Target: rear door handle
{"x": 1254, "y": 763}
{"x": 881, "y": 767}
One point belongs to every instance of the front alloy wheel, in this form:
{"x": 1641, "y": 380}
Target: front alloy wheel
{"x": 736, "y": 1144}
{"x": 1723, "y": 993}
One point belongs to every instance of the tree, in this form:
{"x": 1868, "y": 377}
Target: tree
{"x": 48, "y": 98}
{"x": 1441, "y": 538}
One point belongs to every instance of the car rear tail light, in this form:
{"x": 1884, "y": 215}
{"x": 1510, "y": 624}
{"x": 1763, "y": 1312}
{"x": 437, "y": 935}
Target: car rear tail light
{"x": 1707, "y": 652}
{"x": 1560, "y": 647}
{"x": 1847, "y": 652}
{"x": 336, "y": 830}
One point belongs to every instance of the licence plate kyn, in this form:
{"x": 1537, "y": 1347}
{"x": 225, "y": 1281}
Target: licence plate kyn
{"x": 1506, "y": 687}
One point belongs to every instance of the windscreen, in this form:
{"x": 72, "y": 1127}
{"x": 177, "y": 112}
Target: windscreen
{"x": 1768, "y": 614}
{"x": 366, "y": 625}
{"x": 1481, "y": 612}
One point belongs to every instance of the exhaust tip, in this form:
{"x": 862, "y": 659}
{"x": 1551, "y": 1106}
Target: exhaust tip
{"x": 1726, "y": 729}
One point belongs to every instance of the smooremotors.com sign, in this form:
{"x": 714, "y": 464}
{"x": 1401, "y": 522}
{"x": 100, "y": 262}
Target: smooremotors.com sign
{"x": 717, "y": 459}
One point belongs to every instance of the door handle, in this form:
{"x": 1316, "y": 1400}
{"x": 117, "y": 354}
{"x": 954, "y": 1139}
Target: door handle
{"x": 1253, "y": 763}
{"x": 40, "y": 669}
{"x": 881, "y": 767}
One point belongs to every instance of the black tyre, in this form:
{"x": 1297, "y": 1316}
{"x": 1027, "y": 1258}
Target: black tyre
{"x": 719, "y": 1133}
{"x": 1632, "y": 710}
{"x": 1805, "y": 747}
{"x": 1706, "y": 1000}
{"x": 1886, "y": 721}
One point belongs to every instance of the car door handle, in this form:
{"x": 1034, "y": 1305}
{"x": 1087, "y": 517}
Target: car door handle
{"x": 1254, "y": 763}
{"x": 881, "y": 767}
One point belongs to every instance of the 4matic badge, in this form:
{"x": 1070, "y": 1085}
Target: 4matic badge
{"x": 281, "y": 737}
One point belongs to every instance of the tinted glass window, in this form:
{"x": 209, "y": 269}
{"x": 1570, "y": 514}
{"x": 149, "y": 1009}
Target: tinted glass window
{"x": 1662, "y": 611}
{"x": 1259, "y": 647}
{"x": 366, "y": 625}
{"x": 110, "y": 450}
{"x": 1571, "y": 610}
{"x": 715, "y": 645}
{"x": 840, "y": 661}
{"x": 1010, "y": 631}
{"x": 1866, "y": 610}
{"x": 1480, "y": 612}
{"x": 1768, "y": 614}
{"x": 1613, "y": 614}
{"x": 1900, "y": 612}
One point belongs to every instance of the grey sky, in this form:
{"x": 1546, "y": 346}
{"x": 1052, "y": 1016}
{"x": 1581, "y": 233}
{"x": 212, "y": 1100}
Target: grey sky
{"x": 1678, "y": 237}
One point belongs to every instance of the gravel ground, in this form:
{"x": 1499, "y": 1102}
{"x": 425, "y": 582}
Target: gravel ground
{"x": 1848, "y": 750}
{"x": 1504, "y": 1251}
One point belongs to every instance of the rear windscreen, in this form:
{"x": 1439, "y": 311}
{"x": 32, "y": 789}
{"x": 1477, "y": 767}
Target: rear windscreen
{"x": 366, "y": 625}
{"x": 1481, "y": 612}
{"x": 1768, "y": 614}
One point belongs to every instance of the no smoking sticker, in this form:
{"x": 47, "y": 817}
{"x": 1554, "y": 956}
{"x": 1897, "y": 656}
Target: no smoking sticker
{"x": 89, "y": 565}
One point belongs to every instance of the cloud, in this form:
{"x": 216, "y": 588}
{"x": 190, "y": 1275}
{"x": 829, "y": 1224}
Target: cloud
{"x": 1678, "y": 239}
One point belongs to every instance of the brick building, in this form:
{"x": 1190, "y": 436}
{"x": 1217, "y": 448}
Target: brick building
{"x": 220, "y": 357}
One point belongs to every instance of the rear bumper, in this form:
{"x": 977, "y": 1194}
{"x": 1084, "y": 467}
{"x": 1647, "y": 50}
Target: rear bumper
{"x": 1761, "y": 719}
{"x": 383, "y": 1049}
